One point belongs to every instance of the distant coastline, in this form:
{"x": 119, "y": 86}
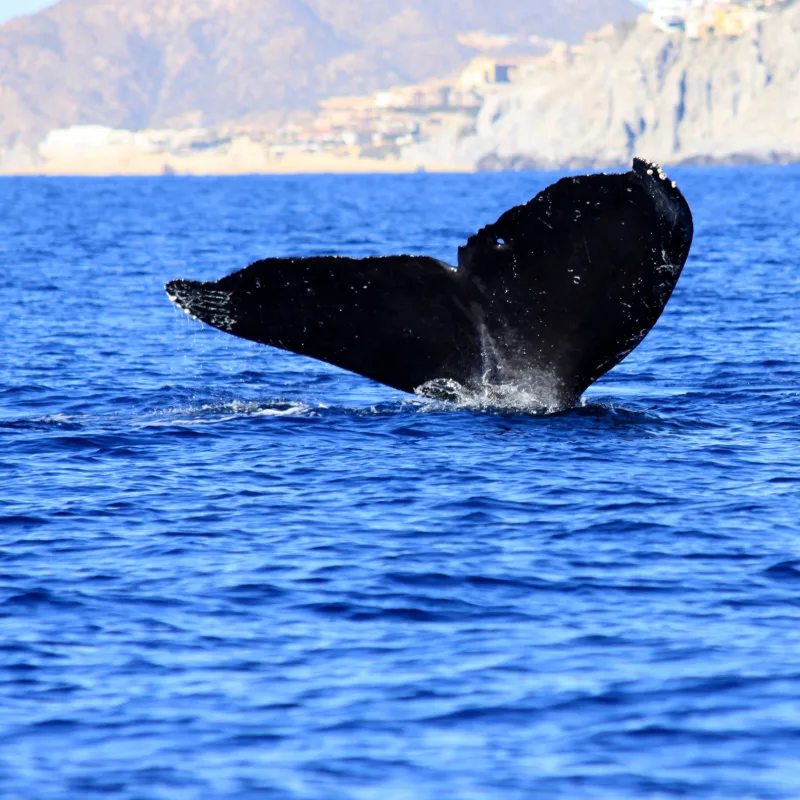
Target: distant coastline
{"x": 310, "y": 75}
{"x": 691, "y": 82}
{"x": 142, "y": 165}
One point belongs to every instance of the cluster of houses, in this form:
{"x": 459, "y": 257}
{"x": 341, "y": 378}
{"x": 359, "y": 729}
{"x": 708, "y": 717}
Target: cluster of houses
{"x": 700, "y": 19}
{"x": 378, "y": 125}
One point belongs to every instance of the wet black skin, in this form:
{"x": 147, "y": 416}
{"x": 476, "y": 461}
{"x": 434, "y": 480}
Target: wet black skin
{"x": 558, "y": 290}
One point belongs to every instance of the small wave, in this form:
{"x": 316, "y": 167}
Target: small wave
{"x": 204, "y": 414}
{"x": 784, "y": 571}
{"x": 214, "y": 413}
{"x": 45, "y": 422}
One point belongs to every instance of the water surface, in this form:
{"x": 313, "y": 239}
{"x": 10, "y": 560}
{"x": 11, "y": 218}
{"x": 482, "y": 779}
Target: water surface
{"x": 228, "y": 571}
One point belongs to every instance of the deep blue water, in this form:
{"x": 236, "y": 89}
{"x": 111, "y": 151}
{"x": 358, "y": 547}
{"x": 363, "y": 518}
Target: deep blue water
{"x": 231, "y": 572}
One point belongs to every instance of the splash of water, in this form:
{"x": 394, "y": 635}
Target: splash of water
{"x": 528, "y": 397}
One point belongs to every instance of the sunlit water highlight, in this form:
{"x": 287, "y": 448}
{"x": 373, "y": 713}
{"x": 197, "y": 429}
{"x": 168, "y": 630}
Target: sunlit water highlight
{"x": 227, "y": 571}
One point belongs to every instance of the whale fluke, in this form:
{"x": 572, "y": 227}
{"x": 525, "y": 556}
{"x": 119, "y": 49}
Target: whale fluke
{"x": 553, "y": 294}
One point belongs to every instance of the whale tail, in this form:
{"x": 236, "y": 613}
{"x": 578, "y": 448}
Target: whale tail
{"x": 564, "y": 286}
{"x": 395, "y": 319}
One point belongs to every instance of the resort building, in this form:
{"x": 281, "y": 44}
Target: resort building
{"x": 483, "y": 72}
{"x": 670, "y": 14}
{"x": 702, "y": 18}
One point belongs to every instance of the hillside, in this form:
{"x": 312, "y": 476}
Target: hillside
{"x": 642, "y": 91}
{"x": 143, "y": 63}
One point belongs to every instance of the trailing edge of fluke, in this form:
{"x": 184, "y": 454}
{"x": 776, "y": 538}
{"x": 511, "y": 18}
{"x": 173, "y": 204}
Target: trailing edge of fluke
{"x": 548, "y": 298}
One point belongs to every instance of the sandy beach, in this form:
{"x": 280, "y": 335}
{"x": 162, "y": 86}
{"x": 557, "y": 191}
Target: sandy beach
{"x": 244, "y": 161}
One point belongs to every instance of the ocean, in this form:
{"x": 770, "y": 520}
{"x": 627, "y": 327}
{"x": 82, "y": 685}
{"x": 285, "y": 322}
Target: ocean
{"x": 227, "y": 571}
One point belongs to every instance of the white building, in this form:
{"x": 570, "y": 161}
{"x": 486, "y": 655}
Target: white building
{"x": 671, "y": 14}
{"x": 700, "y": 18}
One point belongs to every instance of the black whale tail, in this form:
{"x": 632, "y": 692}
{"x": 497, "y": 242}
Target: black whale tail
{"x": 557, "y": 290}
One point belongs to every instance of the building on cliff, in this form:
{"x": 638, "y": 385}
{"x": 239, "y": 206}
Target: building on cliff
{"x": 670, "y": 14}
{"x": 484, "y": 72}
{"x": 703, "y": 18}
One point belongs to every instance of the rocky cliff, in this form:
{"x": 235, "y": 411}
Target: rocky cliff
{"x": 155, "y": 63}
{"x": 643, "y": 91}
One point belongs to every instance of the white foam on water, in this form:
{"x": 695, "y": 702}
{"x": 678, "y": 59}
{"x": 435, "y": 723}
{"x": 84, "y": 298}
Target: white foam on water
{"x": 532, "y": 397}
{"x": 214, "y": 413}
{"x": 57, "y": 420}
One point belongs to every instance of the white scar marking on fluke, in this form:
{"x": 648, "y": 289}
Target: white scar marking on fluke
{"x": 214, "y": 304}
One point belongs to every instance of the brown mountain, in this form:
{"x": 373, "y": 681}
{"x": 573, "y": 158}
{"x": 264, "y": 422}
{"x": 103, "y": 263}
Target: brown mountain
{"x": 140, "y": 63}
